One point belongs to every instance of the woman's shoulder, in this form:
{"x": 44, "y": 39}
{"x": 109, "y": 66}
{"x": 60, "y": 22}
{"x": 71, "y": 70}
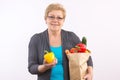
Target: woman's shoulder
{"x": 71, "y": 36}
{"x": 68, "y": 33}
{"x": 39, "y": 35}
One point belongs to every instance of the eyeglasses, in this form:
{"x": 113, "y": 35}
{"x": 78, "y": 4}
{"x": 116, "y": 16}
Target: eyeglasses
{"x": 53, "y": 17}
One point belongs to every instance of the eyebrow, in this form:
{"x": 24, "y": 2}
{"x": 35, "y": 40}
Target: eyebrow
{"x": 54, "y": 15}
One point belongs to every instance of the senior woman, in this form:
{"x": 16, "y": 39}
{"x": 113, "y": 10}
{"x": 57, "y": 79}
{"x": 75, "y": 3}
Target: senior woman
{"x": 56, "y": 40}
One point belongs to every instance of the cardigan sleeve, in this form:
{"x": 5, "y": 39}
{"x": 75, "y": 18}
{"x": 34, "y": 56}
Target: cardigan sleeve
{"x": 90, "y": 62}
{"x": 32, "y": 56}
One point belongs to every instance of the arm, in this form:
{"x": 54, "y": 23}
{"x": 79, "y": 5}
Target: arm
{"x": 45, "y": 66}
{"x": 33, "y": 56}
{"x": 33, "y": 64}
{"x": 42, "y": 68}
{"x": 90, "y": 70}
{"x": 89, "y": 74}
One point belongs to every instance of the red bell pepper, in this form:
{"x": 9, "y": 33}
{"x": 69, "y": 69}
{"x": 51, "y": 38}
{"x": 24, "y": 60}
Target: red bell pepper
{"x": 81, "y": 47}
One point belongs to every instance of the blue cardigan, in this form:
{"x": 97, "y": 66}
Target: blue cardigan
{"x": 40, "y": 42}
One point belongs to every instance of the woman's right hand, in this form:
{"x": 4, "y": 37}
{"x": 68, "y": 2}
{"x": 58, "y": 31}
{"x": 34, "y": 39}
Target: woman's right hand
{"x": 50, "y": 65}
{"x": 46, "y": 66}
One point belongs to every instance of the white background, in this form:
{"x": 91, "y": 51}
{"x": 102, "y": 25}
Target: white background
{"x": 98, "y": 20}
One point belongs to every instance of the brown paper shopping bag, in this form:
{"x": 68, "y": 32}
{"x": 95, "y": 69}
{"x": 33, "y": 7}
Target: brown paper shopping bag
{"x": 78, "y": 65}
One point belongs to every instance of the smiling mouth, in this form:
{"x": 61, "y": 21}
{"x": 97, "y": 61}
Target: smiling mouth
{"x": 55, "y": 24}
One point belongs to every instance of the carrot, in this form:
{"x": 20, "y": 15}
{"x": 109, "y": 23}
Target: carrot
{"x": 67, "y": 51}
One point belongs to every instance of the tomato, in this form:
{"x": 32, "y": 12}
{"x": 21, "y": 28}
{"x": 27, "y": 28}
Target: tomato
{"x": 81, "y": 47}
{"x": 73, "y": 50}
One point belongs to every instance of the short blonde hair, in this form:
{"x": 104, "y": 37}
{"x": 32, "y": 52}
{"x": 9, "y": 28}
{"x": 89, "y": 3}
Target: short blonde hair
{"x": 55, "y": 6}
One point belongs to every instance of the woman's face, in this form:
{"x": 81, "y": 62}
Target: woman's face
{"x": 55, "y": 20}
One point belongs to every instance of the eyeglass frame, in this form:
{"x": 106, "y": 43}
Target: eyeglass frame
{"x": 53, "y": 18}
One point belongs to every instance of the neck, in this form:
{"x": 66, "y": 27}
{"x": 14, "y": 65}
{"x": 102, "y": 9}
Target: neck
{"x": 54, "y": 33}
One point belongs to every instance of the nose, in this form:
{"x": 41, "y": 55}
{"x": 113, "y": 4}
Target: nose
{"x": 56, "y": 19}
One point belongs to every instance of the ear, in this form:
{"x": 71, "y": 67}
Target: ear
{"x": 64, "y": 20}
{"x": 45, "y": 21}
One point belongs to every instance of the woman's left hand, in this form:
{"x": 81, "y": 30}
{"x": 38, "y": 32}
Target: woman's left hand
{"x": 88, "y": 76}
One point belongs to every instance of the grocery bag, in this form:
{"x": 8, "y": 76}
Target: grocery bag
{"x": 78, "y": 65}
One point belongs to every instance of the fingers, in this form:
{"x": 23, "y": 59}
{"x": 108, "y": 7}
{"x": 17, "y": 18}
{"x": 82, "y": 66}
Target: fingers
{"x": 50, "y": 65}
{"x": 56, "y": 61}
{"x": 85, "y": 77}
{"x": 88, "y": 77}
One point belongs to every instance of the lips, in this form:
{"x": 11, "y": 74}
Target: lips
{"x": 55, "y": 24}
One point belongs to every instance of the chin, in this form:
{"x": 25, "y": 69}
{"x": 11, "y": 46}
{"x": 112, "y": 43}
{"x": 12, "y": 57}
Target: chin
{"x": 55, "y": 30}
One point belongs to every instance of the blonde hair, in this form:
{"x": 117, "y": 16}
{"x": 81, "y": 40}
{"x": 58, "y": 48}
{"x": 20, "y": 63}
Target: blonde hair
{"x": 55, "y": 6}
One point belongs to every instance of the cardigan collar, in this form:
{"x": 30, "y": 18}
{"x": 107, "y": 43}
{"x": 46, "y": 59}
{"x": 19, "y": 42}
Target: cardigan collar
{"x": 62, "y": 37}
